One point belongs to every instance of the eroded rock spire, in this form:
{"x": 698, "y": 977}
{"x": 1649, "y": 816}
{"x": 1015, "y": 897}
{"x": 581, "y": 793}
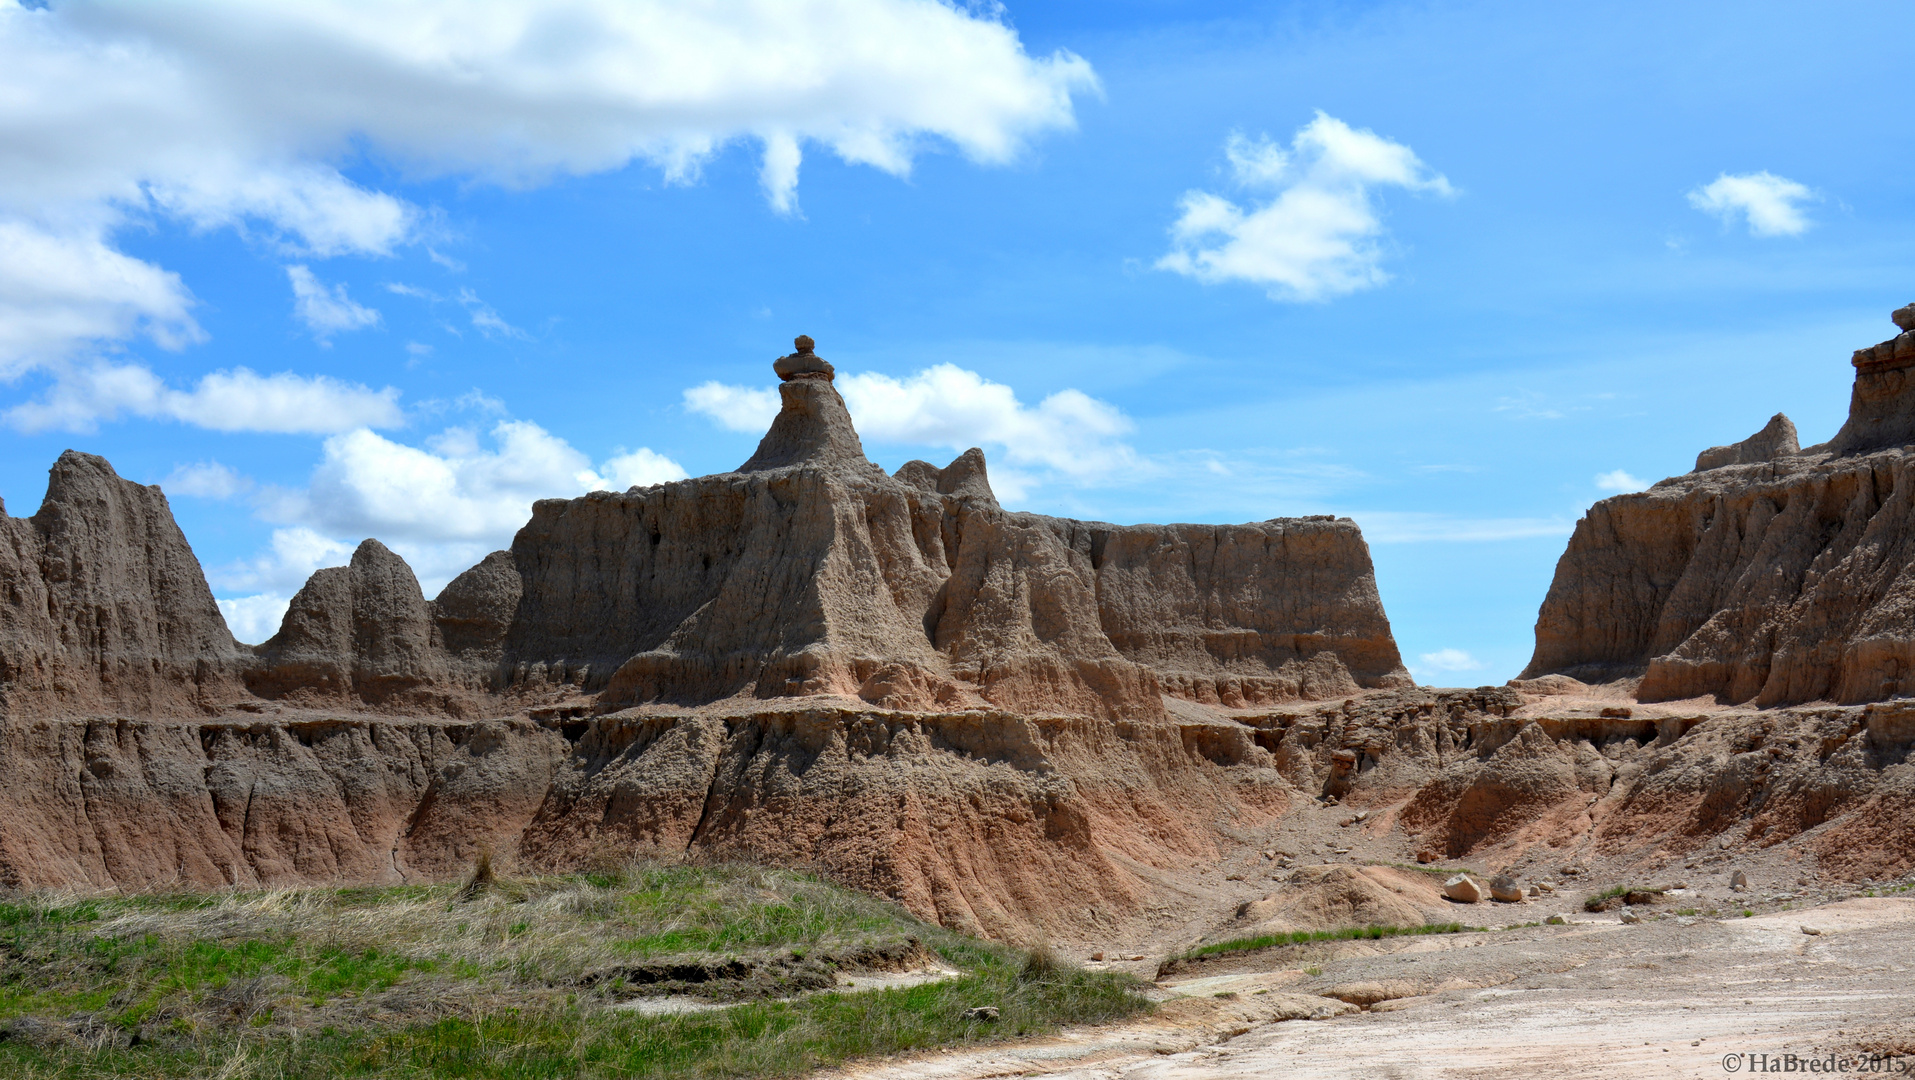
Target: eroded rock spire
{"x": 813, "y": 427}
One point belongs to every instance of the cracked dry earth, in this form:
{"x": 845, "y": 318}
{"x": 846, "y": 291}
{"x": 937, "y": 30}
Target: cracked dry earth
{"x": 1669, "y": 997}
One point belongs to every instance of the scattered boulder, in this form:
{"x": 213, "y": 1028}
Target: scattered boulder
{"x": 1739, "y": 881}
{"x": 1630, "y": 916}
{"x": 1463, "y": 889}
{"x": 1505, "y": 889}
{"x": 803, "y": 363}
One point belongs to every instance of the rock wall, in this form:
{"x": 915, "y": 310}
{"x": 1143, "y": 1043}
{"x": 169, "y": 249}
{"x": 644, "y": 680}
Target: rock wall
{"x": 1774, "y": 580}
{"x": 810, "y": 571}
{"x": 1001, "y": 823}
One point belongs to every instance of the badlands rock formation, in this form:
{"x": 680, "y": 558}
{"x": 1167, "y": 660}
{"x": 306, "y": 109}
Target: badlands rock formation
{"x": 805, "y": 659}
{"x": 1769, "y": 575}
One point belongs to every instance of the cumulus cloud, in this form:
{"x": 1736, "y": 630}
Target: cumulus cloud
{"x": 735, "y": 408}
{"x": 326, "y": 309}
{"x": 444, "y": 504}
{"x": 253, "y": 619}
{"x": 235, "y": 114}
{"x": 84, "y": 395}
{"x": 206, "y": 480}
{"x": 1069, "y": 434}
{"x": 59, "y": 288}
{"x": 1770, "y": 204}
{"x": 1315, "y": 234}
{"x": 1618, "y": 480}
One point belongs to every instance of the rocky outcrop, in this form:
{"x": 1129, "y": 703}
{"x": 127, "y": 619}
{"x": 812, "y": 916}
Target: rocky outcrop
{"x": 1771, "y": 579}
{"x": 103, "y": 606}
{"x": 361, "y": 632}
{"x": 1775, "y": 440}
{"x": 809, "y": 571}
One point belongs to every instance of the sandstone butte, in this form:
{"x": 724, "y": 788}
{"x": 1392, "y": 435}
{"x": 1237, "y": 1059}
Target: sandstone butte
{"x": 1011, "y": 723}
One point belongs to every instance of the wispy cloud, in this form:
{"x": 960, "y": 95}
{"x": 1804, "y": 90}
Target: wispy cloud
{"x": 1619, "y": 481}
{"x": 1409, "y": 527}
{"x": 326, "y": 310}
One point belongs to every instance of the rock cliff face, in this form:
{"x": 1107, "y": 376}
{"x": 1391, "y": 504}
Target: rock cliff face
{"x": 1768, "y": 575}
{"x": 809, "y": 571}
{"x": 103, "y": 606}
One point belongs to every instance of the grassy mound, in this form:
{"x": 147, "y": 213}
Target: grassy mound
{"x": 506, "y": 978}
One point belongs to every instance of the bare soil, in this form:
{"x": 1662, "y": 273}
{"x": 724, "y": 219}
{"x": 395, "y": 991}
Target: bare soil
{"x": 1675, "y": 996}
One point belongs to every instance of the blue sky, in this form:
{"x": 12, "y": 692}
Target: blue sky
{"x": 1454, "y": 270}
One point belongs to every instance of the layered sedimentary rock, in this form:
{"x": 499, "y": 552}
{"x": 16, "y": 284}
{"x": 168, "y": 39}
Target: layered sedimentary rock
{"x": 1768, "y": 575}
{"x": 806, "y": 571}
{"x": 103, "y": 606}
{"x": 805, "y": 659}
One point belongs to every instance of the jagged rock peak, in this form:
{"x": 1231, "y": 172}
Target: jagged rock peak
{"x": 964, "y": 477}
{"x": 361, "y": 631}
{"x": 813, "y": 428}
{"x": 1776, "y": 440}
{"x": 103, "y": 607}
{"x": 1882, "y": 405}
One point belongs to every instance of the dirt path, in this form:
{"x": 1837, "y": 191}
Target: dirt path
{"x": 1668, "y": 997}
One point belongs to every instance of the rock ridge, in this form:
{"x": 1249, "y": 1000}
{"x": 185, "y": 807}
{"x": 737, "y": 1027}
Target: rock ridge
{"x": 1769, "y": 575}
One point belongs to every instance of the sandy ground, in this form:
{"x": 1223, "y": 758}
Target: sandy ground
{"x": 1667, "y": 997}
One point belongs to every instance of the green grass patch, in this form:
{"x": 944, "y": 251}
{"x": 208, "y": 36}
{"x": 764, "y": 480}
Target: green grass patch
{"x": 1302, "y": 937}
{"x": 519, "y": 980}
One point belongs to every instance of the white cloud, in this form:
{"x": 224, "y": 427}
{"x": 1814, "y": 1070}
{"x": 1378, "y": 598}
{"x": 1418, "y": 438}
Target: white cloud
{"x": 326, "y": 310}
{"x": 639, "y": 468}
{"x": 229, "y": 113}
{"x": 60, "y": 289}
{"x": 1450, "y": 660}
{"x": 486, "y": 320}
{"x": 254, "y": 619}
{"x": 1770, "y": 204}
{"x": 1618, "y": 480}
{"x": 1068, "y": 434}
{"x": 735, "y": 408}
{"x": 84, "y": 395}
{"x": 1318, "y": 235}
{"x": 1429, "y": 665}
{"x": 445, "y": 504}
{"x": 206, "y": 480}
{"x": 280, "y": 570}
